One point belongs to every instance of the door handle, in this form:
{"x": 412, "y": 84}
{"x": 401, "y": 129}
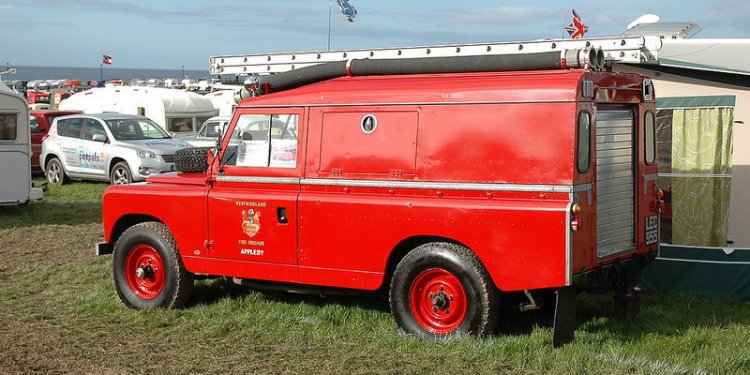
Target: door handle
{"x": 281, "y": 215}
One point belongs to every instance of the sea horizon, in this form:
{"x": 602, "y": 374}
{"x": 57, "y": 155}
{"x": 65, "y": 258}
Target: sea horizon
{"x": 33, "y": 73}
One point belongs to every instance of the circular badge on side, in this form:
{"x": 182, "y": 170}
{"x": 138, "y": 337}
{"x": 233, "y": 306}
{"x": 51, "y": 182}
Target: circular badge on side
{"x": 369, "y": 123}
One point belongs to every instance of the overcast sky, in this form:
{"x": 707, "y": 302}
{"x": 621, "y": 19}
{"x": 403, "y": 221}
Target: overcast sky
{"x": 165, "y": 34}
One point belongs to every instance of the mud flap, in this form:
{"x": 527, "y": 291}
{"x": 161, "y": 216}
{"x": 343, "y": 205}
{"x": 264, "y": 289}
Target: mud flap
{"x": 565, "y": 316}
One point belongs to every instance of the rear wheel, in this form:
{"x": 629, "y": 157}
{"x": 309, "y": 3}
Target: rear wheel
{"x": 55, "y": 172}
{"x": 441, "y": 290}
{"x": 148, "y": 270}
{"x": 120, "y": 174}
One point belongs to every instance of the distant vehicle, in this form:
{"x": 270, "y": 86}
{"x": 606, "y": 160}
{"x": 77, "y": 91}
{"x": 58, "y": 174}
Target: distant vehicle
{"x": 208, "y": 133}
{"x": 15, "y": 150}
{"x": 112, "y": 147}
{"x": 39, "y": 123}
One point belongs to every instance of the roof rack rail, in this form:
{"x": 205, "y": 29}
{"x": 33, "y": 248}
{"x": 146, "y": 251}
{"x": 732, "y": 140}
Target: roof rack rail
{"x": 631, "y": 49}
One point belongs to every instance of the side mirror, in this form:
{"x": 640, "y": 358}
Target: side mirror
{"x": 99, "y": 138}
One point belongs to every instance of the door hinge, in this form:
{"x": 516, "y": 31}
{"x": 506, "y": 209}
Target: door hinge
{"x": 208, "y": 245}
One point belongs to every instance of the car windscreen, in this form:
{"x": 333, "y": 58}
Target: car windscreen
{"x": 135, "y": 129}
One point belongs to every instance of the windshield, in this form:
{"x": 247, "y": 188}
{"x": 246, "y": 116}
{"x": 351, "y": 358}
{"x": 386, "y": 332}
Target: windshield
{"x": 136, "y": 129}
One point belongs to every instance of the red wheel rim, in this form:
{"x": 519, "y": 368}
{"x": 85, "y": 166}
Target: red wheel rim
{"x": 438, "y": 301}
{"x": 144, "y": 271}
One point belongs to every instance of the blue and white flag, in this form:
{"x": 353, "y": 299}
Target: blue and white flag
{"x": 347, "y": 9}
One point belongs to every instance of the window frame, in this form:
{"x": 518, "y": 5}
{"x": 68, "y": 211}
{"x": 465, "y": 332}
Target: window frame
{"x": 580, "y": 167}
{"x": 652, "y": 134}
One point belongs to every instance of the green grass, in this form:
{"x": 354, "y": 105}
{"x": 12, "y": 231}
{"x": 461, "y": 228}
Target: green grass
{"x": 59, "y": 313}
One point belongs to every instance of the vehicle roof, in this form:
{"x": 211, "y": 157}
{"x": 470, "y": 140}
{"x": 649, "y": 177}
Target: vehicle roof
{"x": 486, "y": 87}
{"x": 430, "y": 88}
{"x": 106, "y": 116}
{"x": 53, "y": 112}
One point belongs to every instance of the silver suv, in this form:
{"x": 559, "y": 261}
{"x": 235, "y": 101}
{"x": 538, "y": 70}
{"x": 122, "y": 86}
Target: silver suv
{"x": 116, "y": 147}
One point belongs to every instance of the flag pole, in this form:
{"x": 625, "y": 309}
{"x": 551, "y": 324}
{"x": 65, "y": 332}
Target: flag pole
{"x": 329, "y": 25}
{"x": 101, "y": 72}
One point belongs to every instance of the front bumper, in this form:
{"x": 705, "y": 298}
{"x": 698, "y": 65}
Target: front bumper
{"x": 148, "y": 167}
{"x": 103, "y": 248}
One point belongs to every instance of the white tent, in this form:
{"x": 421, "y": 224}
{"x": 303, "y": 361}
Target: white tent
{"x": 177, "y": 111}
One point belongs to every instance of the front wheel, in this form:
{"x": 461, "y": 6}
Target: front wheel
{"x": 440, "y": 290}
{"x": 120, "y": 174}
{"x": 148, "y": 270}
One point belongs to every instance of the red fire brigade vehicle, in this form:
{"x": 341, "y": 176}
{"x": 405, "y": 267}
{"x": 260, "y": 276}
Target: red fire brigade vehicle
{"x": 449, "y": 182}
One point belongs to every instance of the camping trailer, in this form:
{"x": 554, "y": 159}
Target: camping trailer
{"x": 15, "y": 150}
{"x": 176, "y": 111}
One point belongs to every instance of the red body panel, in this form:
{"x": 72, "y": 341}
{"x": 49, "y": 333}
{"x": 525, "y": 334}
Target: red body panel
{"x": 485, "y": 160}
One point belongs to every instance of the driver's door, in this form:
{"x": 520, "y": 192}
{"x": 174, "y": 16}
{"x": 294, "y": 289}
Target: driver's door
{"x": 252, "y": 206}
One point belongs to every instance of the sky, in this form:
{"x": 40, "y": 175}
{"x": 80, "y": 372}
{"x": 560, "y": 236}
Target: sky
{"x": 162, "y": 34}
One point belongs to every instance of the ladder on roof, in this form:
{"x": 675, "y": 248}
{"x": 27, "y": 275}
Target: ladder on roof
{"x": 633, "y": 50}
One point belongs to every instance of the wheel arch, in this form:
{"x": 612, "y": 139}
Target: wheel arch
{"x": 49, "y": 157}
{"x": 127, "y": 221}
{"x": 407, "y": 245}
{"x": 114, "y": 162}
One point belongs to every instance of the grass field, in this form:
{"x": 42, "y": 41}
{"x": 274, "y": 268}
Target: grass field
{"x": 59, "y": 313}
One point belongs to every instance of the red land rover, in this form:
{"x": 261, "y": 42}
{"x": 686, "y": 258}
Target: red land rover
{"x": 447, "y": 190}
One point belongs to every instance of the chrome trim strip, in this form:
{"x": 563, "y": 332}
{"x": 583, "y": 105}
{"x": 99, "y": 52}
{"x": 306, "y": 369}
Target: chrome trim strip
{"x": 720, "y": 175}
{"x": 569, "y": 244}
{"x": 375, "y": 104}
{"x": 651, "y": 177}
{"x": 259, "y": 180}
{"x": 439, "y": 185}
{"x": 405, "y": 184}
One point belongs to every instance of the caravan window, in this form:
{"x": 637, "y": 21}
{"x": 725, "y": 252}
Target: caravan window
{"x": 180, "y": 124}
{"x": 8, "y": 127}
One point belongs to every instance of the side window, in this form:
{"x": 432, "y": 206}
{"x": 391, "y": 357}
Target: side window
{"x": 8, "y": 126}
{"x": 650, "y": 138}
{"x": 583, "y": 158}
{"x": 69, "y": 128}
{"x": 34, "y": 125}
{"x": 263, "y": 141}
{"x": 91, "y": 128}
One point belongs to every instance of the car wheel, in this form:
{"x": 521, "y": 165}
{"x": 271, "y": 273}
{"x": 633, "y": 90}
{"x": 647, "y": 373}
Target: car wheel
{"x": 148, "y": 270}
{"x": 440, "y": 290}
{"x": 55, "y": 172}
{"x": 120, "y": 174}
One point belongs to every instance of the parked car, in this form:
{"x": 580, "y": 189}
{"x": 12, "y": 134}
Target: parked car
{"x": 39, "y": 124}
{"x": 208, "y": 133}
{"x": 113, "y": 147}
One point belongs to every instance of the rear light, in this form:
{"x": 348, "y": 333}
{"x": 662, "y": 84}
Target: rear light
{"x": 575, "y": 224}
{"x": 45, "y": 137}
{"x": 659, "y": 200}
{"x": 575, "y": 221}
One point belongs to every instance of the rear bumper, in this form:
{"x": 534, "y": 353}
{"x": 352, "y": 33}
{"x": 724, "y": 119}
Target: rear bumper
{"x": 607, "y": 277}
{"x": 103, "y": 248}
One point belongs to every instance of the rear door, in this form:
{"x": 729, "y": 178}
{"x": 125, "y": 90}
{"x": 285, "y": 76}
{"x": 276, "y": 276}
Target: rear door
{"x": 252, "y": 205}
{"x": 615, "y": 180}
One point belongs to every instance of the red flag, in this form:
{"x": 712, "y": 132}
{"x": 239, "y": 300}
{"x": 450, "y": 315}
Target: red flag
{"x": 576, "y": 29}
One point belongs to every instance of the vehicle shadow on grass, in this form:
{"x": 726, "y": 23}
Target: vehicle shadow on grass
{"x": 212, "y": 291}
{"x": 667, "y": 315}
{"x": 34, "y": 214}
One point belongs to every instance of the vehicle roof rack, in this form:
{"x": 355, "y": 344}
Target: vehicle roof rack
{"x": 626, "y": 49}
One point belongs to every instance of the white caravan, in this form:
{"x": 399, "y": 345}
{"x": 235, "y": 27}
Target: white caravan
{"x": 15, "y": 150}
{"x": 176, "y": 111}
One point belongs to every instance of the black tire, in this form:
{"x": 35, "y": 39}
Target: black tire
{"x": 121, "y": 174}
{"x": 148, "y": 270}
{"x": 55, "y": 172}
{"x": 440, "y": 290}
{"x": 194, "y": 159}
